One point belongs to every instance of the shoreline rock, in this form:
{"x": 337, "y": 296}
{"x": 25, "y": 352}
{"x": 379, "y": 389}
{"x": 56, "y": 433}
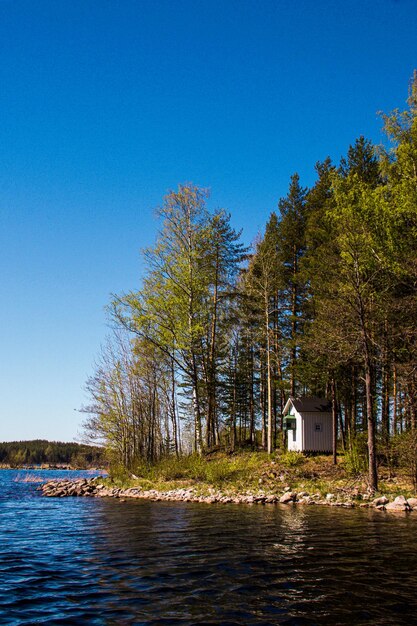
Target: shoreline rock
{"x": 94, "y": 488}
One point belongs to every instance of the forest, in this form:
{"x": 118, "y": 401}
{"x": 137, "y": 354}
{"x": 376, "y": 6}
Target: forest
{"x": 204, "y": 355}
{"x": 40, "y": 451}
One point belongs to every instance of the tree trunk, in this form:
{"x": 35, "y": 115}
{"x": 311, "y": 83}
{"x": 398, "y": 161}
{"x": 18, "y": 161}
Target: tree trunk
{"x": 334, "y": 421}
{"x": 268, "y": 377}
{"x": 394, "y": 400}
{"x": 263, "y": 407}
{"x": 251, "y": 401}
{"x": 373, "y": 475}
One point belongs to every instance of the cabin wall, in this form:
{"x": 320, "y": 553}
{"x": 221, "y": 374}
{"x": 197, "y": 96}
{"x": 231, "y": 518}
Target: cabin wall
{"x": 314, "y": 440}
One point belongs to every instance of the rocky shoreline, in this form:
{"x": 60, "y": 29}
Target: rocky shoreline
{"x": 95, "y": 488}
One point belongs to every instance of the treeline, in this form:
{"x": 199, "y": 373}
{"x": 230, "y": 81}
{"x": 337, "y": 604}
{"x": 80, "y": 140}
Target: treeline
{"x": 208, "y": 350}
{"x": 40, "y": 451}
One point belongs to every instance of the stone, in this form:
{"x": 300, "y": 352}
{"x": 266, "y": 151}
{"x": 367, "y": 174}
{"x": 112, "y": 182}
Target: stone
{"x": 330, "y": 496}
{"x": 380, "y": 501}
{"x": 412, "y": 502}
{"x": 271, "y": 499}
{"x": 399, "y": 504}
{"x": 288, "y": 497}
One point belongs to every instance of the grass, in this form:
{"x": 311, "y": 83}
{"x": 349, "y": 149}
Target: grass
{"x": 246, "y": 471}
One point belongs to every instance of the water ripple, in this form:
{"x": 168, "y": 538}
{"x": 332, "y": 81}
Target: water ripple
{"x": 100, "y": 562}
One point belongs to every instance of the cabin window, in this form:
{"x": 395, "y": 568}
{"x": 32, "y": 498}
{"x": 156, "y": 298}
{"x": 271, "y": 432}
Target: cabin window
{"x": 318, "y": 427}
{"x": 294, "y": 435}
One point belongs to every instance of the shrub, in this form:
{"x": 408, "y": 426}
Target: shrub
{"x": 405, "y": 446}
{"x": 291, "y": 458}
{"x": 356, "y": 458}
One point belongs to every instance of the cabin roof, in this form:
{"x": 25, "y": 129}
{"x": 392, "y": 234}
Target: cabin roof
{"x": 309, "y": 404}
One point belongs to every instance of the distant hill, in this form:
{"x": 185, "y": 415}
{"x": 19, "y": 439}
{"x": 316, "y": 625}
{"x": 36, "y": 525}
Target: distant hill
{"x": 42, "y": 452}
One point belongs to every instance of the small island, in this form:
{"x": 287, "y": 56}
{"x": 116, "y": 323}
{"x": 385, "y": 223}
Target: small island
{"x": 249, "y": 478}
{"x": 213, "y": 356}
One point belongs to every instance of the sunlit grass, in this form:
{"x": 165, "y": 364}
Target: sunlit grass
{"x": 250, "y": 472}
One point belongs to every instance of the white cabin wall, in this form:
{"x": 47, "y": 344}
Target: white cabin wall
{"x": 317, "y": 441}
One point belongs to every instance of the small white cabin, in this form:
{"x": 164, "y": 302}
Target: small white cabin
{"x": 308, "y": 422}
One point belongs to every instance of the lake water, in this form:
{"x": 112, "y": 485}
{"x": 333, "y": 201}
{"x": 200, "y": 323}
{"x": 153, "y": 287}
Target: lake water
{"x": 102, "y": 561}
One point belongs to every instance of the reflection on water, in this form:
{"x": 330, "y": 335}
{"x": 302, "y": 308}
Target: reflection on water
{"x": 93, "y": 561}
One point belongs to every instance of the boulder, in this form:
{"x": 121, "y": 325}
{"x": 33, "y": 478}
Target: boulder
{"x": 380, "y": 501}
{"x": 290, "y": 496}
{"x": 271, "y": 499}
{"x": 412, "y": 502}
{"x": 399, "y": 504}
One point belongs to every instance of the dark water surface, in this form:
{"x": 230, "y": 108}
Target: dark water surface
{"x": 102, "y": 561}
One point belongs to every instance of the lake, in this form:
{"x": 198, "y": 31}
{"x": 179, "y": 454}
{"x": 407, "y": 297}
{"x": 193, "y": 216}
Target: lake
{"x": 103, "y": 561}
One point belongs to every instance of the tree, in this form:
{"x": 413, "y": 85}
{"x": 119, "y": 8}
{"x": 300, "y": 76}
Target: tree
{"x": 127, "y": 408}
{"x": 261, "y": 286}
{"x": 185, "y": 299}
{"x": 399, "y": 199}
{"x": 292, "y": 246}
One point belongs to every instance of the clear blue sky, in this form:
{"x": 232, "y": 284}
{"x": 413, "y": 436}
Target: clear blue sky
{"x": 106, "y": 105}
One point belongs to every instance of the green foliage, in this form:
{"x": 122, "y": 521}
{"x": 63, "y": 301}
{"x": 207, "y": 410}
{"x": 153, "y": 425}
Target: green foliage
{"x": 217, "y": 471}
{"x": 405, "y": 448}
{"x": 119, "y": 474}
{"x": 291, "y": 458}
{"x": 356, "y": 458}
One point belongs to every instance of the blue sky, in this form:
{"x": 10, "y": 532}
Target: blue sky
{"x": 106, "y": 105}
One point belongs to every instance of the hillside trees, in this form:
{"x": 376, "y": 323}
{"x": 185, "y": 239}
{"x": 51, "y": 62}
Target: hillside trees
{"x": 40, "y": 451}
